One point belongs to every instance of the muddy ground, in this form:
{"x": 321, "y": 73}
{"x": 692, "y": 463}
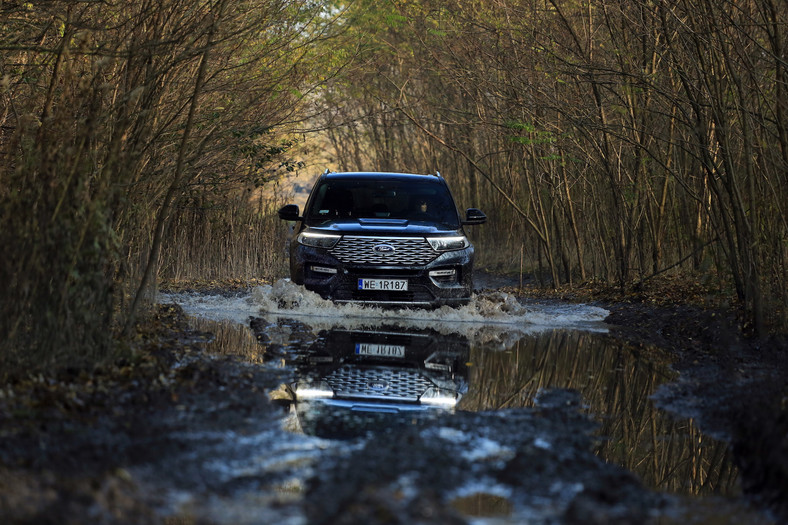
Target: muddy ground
{"x": 105, "y": 446}
{"x": 735, "y": 386}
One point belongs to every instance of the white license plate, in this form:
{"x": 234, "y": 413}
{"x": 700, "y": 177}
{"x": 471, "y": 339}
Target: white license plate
{"x": 375, "y": 349}
{"x": 387, "y": 285}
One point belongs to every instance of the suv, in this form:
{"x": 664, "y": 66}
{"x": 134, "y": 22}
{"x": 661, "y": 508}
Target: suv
{"x": 389, "y": 239}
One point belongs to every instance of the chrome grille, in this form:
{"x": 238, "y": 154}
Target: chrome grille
{"x": 406, "y": 251}
{"x": 380, "y": 383}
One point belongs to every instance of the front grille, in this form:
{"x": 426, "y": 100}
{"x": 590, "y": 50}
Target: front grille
{"x": 378, "y": 383}
{"x": 388, "y": 273}
{"x": 406, "y": 251}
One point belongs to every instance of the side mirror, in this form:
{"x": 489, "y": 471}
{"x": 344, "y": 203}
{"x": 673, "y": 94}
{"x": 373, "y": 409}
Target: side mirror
{"x": 474, "y": 216}
{"x": 289, "y": 212}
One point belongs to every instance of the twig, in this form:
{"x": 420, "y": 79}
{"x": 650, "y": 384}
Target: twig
{"x": 640, "y": 283}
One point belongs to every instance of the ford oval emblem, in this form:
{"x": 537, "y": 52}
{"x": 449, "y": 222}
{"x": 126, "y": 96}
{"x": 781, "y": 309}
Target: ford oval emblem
{"x": 378, "y": 385}
{"x": 383, "y": 248}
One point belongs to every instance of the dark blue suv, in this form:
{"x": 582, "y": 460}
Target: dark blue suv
{"x": 389, "y": 239}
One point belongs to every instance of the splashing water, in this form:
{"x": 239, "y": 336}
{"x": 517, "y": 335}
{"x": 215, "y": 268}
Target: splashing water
{"x": 492, "y": 312}
{"x": 286, "y": 299}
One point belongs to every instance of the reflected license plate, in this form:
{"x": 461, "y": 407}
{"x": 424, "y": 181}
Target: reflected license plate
{"x": 387, "y": 285}
{"x": 380, "y": 350}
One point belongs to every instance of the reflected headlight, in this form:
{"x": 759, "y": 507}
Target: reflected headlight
{"x": 304, "y": 391}
{"x": 318, "y": 240}
{"x": 440, "y": 397}
{"x": 445, "y": 244}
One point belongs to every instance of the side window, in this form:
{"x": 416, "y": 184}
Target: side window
{"x": 317, "y": 201}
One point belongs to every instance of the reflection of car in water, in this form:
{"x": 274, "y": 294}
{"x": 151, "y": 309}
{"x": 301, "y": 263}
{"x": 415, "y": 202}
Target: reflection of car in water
{"x": 351, "y": 382}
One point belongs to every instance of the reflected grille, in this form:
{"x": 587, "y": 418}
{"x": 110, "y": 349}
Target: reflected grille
{"x": 380, "y": 383}
{"x": 405, "y": 251}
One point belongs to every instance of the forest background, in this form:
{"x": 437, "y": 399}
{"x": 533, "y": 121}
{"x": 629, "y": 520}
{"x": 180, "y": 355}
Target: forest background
{"x": 608, "y": 141}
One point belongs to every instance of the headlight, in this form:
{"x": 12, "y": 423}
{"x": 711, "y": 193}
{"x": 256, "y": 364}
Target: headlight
{"x": 318, "y": 240}
{"x": 445, "y": 244}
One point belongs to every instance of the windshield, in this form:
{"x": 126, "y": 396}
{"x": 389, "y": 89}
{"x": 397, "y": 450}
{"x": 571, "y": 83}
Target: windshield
{"x": 420, "y": 200}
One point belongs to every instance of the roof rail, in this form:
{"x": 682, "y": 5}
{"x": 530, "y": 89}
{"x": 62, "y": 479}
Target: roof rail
{"x": 438, "y": 174}
{"x": 327, "y": 171}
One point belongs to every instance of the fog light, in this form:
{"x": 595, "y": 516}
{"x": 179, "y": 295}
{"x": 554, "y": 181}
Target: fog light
{"x": 323, "y": 269}
{"x": 443, "y": 273}
{"x": 443, "y": 277}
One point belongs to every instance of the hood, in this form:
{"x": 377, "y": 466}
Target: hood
{"x": 390, "y": 227}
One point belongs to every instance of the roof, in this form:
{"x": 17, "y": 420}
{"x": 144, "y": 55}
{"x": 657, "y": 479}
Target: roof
{"x": 377, "y": 175}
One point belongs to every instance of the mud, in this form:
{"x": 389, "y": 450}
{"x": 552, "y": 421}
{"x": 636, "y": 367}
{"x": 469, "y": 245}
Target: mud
{"x": 734, "y": 386}
{"x": 192, "y": 437}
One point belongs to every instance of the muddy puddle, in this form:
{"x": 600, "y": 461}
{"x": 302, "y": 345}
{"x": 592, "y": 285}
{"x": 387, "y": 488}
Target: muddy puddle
{"x": 498, "y": 412}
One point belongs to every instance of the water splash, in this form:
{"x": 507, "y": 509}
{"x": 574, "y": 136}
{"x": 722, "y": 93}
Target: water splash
{"x": 214, "y": 307}
{"x": 287, "y": 300}
{"x": 490, "y": 316}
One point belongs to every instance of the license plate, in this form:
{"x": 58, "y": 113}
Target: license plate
{"x": 375, "y": 349}
{"x": 387, "y": 285}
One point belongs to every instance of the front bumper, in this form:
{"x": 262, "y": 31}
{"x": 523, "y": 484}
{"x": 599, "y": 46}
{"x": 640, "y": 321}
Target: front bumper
{"x": 322, "y": 273}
